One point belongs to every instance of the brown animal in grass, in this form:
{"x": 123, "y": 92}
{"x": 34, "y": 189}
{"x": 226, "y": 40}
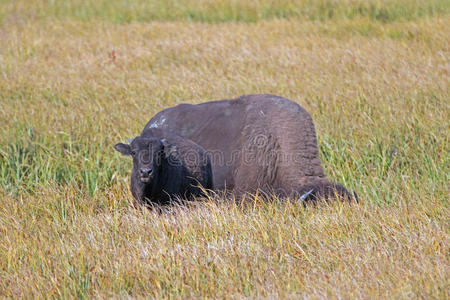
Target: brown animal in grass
{"x": 256, "y": 142}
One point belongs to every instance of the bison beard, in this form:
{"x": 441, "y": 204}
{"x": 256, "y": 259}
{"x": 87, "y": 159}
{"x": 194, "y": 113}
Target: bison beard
{"x": 256, "y": 143}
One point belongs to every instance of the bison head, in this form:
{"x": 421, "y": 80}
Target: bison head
{"x": 147, "y": 154}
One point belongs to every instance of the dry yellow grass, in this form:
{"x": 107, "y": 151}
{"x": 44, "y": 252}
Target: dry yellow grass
{"x": 70, "y": 88}
{"x": 58, "y": 246}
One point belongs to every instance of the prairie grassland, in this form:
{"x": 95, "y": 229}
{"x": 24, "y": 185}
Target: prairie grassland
{"x": 214, "y": 11}
{"x": 75, "y": 79}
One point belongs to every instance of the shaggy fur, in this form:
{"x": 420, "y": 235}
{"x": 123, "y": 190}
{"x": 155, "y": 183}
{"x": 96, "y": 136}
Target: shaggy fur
{"x": 256, "y": 142}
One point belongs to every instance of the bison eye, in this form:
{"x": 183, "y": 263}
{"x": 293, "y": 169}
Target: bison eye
{"x": 133, "y": 153}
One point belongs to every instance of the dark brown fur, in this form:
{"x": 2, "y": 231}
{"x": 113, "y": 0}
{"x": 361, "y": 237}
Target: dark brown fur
{"x": 256, "y": 142}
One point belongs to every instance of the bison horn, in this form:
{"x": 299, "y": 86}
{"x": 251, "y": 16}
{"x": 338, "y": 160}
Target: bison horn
{"x": 130, "y": 140}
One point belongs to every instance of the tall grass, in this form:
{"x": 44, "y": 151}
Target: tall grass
{"x": 33, "y": 160}
{"x": 75, "y": 79}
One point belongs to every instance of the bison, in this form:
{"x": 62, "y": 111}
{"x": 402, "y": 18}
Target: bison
{"x": 166, "y": 167}
{"x": 256, "y": 143}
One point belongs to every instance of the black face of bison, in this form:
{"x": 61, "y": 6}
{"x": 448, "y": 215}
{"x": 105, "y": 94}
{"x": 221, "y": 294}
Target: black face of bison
{"x": 147, "y": 154}
{"x": 162, "y": 169}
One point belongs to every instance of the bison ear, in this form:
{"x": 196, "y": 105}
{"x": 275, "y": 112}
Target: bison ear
{"x": 168, "y": 149}
{"x": 125, "y": 149}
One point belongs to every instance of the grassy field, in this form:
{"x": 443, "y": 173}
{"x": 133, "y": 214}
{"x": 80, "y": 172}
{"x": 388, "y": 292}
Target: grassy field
{"x": 78, "y": 76}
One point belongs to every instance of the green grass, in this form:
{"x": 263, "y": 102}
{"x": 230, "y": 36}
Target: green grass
{"x": 75, "y": 80}
{"x": 120, "y": 11}
{"x": 34, "y": 160}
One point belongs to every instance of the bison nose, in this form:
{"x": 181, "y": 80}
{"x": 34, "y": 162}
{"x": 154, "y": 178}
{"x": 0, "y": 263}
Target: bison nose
{"x": 145, "y": 171}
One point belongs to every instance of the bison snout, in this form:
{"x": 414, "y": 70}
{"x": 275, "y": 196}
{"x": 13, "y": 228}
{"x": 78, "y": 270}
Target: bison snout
{"x": 145, "y": 174}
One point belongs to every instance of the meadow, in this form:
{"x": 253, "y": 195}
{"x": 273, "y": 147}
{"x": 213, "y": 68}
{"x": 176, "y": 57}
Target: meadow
{"x": 76, "y": 77}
